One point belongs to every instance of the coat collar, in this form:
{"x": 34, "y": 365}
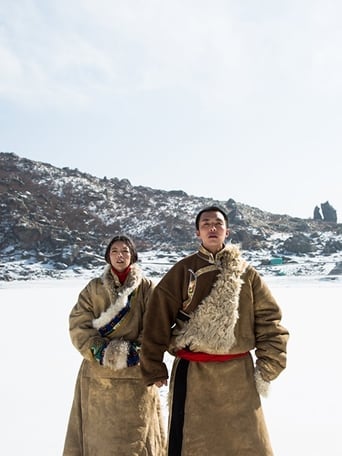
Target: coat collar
{"x": 228, "y": 257}
{"x": 112, "y": 283}
{"x": 118, "y": 293}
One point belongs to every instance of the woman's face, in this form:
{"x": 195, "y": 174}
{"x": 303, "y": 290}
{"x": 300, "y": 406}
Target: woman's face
{"x": 120, "y": 256}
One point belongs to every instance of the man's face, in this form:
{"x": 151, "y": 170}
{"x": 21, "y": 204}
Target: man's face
{"x": 212, "y": 230}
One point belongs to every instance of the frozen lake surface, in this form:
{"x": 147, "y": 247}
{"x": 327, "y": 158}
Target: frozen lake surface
{"x": 39, "y": 367}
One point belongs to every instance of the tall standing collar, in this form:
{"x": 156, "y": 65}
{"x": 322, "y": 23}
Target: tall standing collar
{"x": 228, "y": 253}
{"x": 209, "y": 256}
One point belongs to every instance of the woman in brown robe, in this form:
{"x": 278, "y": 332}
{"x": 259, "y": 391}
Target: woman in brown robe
{"x": 113, "y": 412}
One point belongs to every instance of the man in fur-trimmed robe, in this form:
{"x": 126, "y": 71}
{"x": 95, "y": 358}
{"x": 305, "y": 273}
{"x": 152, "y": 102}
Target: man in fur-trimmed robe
{"x": 211, "y": 310}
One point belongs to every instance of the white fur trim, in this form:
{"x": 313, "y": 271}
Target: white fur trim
{"x": 262, "y": 385}
{"x": 112, "y": 310}
{"x": 212, "y": 324}
{"x": 115, "y": 354}
{"x": 118, "y": 295}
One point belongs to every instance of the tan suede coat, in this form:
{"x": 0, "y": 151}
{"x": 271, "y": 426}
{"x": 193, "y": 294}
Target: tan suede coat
{"x": 113, "y": 412}
{"x": 231, "y": 311}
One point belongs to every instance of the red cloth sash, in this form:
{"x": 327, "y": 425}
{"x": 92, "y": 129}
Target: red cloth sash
{"x": 207, "y": 357}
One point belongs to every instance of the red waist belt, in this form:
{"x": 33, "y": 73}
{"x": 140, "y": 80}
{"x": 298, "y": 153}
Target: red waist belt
{"x": 207, "y": 357}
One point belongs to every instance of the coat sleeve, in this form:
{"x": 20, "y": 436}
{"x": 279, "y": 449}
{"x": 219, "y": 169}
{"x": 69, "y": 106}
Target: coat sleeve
{"x": 147, "y": 286}
{"x": 270, "y": 336}
{"x": 83, "y": 334}
{"x": 158, "y": 320}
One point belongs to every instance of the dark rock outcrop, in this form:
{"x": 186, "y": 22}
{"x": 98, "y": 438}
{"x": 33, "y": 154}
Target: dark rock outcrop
{"x": 317, "y": 214}
{"x": 337, "y": 270}
{"x": 298, "y": 244}
{"x": 329, "y": 213}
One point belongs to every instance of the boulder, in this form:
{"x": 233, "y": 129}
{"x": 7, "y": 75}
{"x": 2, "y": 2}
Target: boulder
{"x": 298, "y": 244}
{"x": 329, "y": 213}
{"x": 317, "y": 214}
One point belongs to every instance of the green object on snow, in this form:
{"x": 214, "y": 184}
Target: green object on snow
{"x": 276, "y": 261}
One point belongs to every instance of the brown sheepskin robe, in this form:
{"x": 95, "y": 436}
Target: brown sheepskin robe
{"x": 215, "y": 407}
{"x": 113, "y": 412}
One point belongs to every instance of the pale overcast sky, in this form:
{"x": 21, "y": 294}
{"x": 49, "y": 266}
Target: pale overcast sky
{"x": 225, "y": 99}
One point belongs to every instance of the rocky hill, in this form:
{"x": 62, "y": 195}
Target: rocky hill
{"x": 57, "y": 221}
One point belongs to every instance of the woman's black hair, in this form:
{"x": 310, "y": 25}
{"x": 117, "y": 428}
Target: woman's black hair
{"x": 211, "y": 209}
{"x": 130, "y": 244}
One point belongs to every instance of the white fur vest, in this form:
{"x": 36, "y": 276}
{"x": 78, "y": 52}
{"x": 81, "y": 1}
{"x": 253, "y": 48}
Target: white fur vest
{"x": 211, "y": 326}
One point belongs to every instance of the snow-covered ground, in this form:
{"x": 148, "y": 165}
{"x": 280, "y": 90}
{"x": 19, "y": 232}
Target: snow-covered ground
{"x": 39, "y": 367}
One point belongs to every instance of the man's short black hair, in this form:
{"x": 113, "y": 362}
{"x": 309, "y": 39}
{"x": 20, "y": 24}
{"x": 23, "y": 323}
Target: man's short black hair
{"x": 211, "y": 209}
